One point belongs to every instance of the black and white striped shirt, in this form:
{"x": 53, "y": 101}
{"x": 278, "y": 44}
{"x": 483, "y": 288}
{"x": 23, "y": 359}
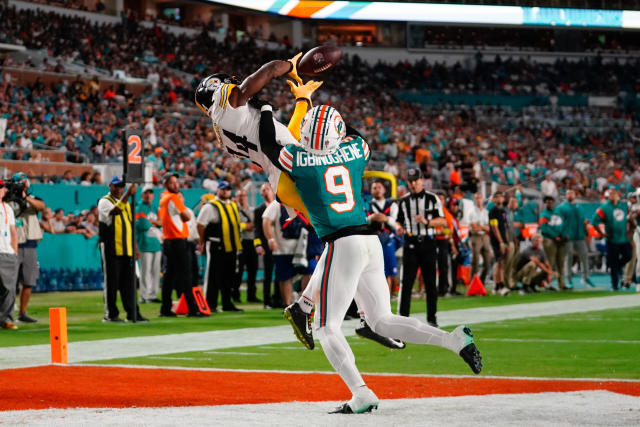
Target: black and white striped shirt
{"x": 424, "y": 203}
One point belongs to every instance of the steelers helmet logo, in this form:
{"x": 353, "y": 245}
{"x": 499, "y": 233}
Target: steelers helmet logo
{"x": 213, "y": 83}
{"x": 618, "y": 214}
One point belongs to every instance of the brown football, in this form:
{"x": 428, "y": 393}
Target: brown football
{"x": 319, "y": 60}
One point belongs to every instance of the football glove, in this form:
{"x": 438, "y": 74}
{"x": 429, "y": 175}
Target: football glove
{"x": 304, "y": 91}
{"x": 293, "y": 73}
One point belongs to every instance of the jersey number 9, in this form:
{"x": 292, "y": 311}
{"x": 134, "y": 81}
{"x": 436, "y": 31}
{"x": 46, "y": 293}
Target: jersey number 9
{"x": 344, "y": 187}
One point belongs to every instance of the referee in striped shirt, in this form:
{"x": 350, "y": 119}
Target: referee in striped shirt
{"x": 418, "y": 214}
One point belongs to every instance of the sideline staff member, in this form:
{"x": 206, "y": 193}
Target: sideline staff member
{"x": 174, "y": 217}
{"x": 419, "y": 212}
{"x": 116, "y": 248}
{"x": 219, "y": 228}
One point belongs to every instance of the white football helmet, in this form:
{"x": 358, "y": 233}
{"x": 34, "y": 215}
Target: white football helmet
{"x": 322, "y": 130}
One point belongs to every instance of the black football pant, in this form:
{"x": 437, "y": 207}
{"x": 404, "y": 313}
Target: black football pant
{"x": 419, "y": 254}
{"x": 177, "y": 275}
{"x": 221, "y": 276}
{"x": 118, "y": 275}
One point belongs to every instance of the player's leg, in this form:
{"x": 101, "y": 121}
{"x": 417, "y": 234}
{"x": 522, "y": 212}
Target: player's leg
{"x": 372, "y": 296}
{"x": 341, "y": 269}
{"x": 299, "y": 313}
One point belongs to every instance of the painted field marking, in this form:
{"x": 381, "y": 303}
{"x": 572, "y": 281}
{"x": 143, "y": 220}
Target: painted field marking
{"x": 83, "y": 351}
{"x": 238, "y": 353}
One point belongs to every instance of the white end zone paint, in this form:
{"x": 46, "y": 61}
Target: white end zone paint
{"x": 537, "y": 409}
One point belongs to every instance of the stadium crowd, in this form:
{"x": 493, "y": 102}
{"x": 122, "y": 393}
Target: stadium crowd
{"x": 457, "y": 149}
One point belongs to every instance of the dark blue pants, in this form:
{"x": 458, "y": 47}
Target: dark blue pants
{"x": 618, "y": 255}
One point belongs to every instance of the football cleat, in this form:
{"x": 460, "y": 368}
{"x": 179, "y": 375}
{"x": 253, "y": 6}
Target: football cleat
{"x": 468, "y": 350}
{"x": 364, "y": 331}
{"x": 301, "y": 324}
{"x": 363, "y": 401}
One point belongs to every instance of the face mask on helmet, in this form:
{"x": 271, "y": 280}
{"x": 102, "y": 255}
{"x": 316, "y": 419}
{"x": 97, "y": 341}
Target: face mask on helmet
{"x": 207, "y": 88}
{"x": 322, "y": 130}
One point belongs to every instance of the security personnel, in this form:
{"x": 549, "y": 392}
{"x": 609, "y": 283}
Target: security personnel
{"x": 117, "y": 249}
{"x": 220, "y": 228}
{"x": 174, "y": 216}
{"x": 418, "y": 214}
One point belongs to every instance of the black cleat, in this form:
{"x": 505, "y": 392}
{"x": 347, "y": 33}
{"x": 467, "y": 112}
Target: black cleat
{"x": 469, "y": 351}
{"x": 364, "y": 331}
{"x": 301, "y": 324}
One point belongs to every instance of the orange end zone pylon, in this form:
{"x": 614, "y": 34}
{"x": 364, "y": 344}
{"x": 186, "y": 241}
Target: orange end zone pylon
{"x": 58, "y": 333}
{"x": 476, "y": 287}
{"x": 201, "y": 302}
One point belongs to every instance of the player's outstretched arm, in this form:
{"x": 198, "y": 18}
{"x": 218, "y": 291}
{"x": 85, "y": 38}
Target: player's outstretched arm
{"x": 256, "y": 81}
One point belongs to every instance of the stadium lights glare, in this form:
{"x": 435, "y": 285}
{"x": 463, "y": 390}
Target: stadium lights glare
{"x": 444, "y": 13}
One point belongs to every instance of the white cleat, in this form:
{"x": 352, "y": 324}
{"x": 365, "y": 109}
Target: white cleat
{"x": 364, "y": 400}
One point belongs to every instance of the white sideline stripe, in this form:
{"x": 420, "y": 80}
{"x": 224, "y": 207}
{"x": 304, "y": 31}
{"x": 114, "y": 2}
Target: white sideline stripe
{"x": 571, "y": 409}
{"x": 83, "y": 351}
{"x": 383, "y": 374}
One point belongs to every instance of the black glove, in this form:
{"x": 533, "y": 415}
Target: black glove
{"x": 258, "y": 103}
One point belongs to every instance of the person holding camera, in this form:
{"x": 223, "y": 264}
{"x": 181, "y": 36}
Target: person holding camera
{"x": 8, "y": 261}
{"x": 26, "y": 208}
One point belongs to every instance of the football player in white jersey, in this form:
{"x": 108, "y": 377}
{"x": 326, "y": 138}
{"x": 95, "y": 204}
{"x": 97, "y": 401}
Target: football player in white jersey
{"x": 236, "y": 116}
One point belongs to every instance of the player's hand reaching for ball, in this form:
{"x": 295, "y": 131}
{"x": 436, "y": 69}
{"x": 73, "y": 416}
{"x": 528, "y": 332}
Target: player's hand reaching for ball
{"x": 293, "y": 73}
{"x": 304, "y": 91}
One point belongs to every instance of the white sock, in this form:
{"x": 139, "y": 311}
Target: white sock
{"x": 305, "y": 304}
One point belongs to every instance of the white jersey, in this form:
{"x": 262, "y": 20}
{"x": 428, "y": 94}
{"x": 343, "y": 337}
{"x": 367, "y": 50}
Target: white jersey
{"x": 237, "y": 129}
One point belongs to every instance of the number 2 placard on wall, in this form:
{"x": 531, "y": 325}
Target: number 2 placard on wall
{"x": 133, "y": 157}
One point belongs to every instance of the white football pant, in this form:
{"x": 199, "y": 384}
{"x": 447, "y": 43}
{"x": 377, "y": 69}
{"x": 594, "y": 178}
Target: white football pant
{"x": 353, "y": 267}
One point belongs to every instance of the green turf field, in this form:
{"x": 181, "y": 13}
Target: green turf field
{"x": 600, "y": 344}
{"x": 597, "y": 344}
{"x": 84, "y": 316}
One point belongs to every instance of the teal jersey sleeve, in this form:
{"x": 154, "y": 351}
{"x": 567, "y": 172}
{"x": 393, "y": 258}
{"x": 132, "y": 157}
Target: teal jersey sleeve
{"x": 331, "y": 185}
{"x": 286, "y": 157}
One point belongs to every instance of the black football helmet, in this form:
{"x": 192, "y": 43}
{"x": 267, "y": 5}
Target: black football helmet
{"x": 208, "y": 86}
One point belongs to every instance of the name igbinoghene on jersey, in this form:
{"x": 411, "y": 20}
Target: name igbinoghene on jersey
{"x": 342, "y": 155}
{"x": 327, "y": 168}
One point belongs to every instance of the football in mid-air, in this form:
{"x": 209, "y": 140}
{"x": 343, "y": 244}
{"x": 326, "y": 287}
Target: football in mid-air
{"x": 319, "y": 60}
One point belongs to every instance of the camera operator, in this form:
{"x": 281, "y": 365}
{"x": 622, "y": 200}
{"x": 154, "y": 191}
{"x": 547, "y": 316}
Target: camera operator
{"x": 26, "y": 208}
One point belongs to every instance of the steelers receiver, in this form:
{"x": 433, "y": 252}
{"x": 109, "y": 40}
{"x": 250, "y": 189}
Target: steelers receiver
{"x": 236, "y": 117}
